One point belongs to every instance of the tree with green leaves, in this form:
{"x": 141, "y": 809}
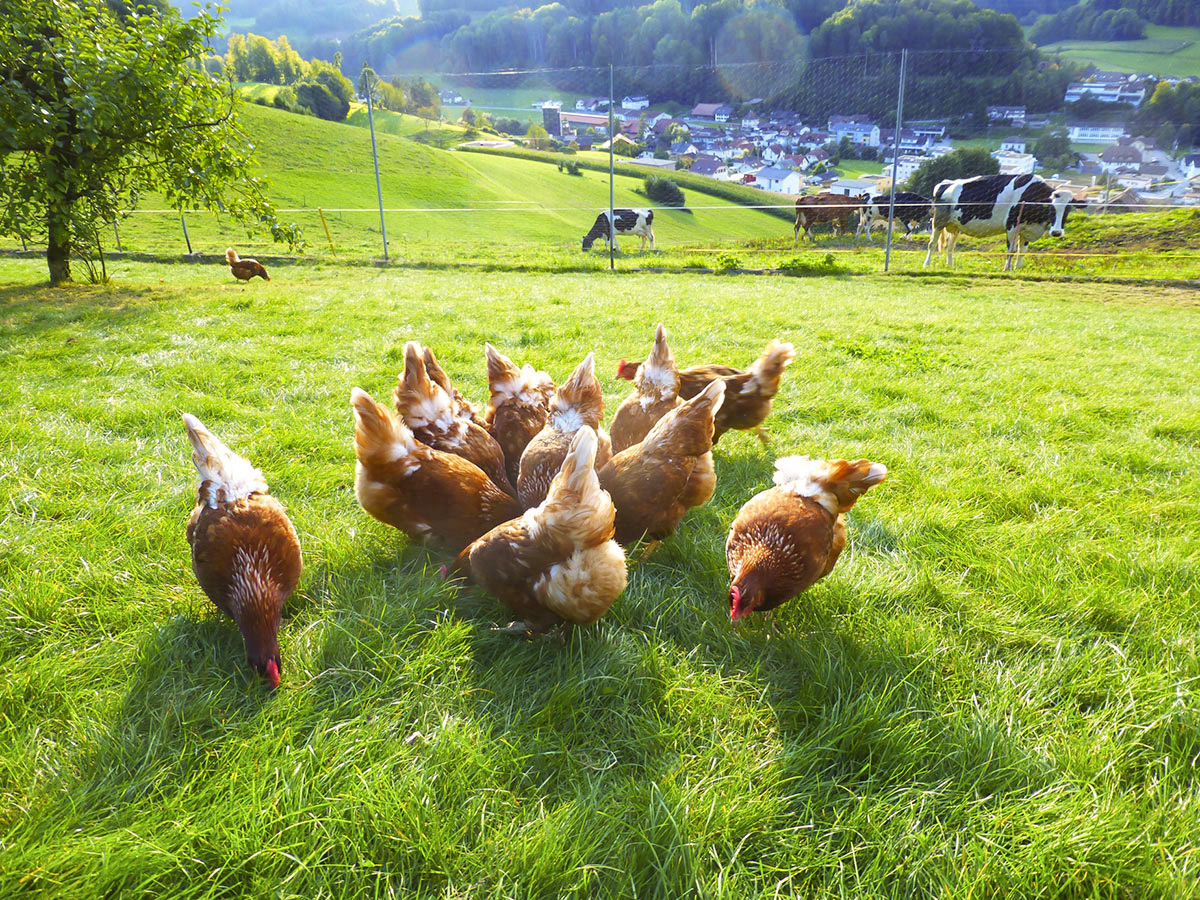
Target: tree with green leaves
{"x": 1053, "y": 150}
{"x": 98, "y": 108}
{"x": 966, "y": 162}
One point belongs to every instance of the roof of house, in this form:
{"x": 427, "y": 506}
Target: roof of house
{"x": 774, "y": 173}
{"x": 1121, "y": 153}
{"x": 706, "y": 109}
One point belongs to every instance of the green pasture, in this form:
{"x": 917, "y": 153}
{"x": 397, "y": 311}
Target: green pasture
{"x": 993, "y": 695}
{"x": 1164, "y": 51}
{"x": 311, "y": 164}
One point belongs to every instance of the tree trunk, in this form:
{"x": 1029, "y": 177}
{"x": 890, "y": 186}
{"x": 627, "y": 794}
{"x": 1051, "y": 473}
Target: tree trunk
{"x": 58, "y": 250}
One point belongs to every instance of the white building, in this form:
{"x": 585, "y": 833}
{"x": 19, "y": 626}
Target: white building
{"x": 1013, "y": 114}
{"x": 1095, "y": 132}
{"x": 859, "y": 129}
{"x": 905, "y": 167}
{"x": 1015, "y": 163}
{"x": 852, "y": 187}
{"x": 1108, "y": 87}
{"x": 1013, "y": 144}
{"x": 635, "y": 101}
{"x": 783, "y": 181}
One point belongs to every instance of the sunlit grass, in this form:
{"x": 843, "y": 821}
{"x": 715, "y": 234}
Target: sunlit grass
{"x": 994, "y": 694}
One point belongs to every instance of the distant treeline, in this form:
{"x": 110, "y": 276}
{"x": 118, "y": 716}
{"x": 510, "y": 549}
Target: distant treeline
{"x": 314, "y": 87}
{"x": 1112, "y": 20}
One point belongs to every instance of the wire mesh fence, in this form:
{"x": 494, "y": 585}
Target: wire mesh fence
{"x": 515, "y": 167}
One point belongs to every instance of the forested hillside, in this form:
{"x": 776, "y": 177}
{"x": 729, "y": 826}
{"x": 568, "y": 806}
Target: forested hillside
{"x": 819, "y": 56}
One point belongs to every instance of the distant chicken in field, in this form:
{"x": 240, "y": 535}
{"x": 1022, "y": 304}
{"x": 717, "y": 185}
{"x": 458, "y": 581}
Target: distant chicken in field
{"x": 429, "y": 412}
{"x": 577, "y": 402}
{"x": 558, "y": 561}
{"x": 653, "y": 483}
{"x": 656, "y": 393}
{"x": 424, "y": 492}
{"x": 788, "y": 537}
{"x": 245, "y": 269}
{"x": 517, "y": 407}
{"x": 245, "y": 552}
{"x": 748, "y": 395}
{"x": 463, "y": 408}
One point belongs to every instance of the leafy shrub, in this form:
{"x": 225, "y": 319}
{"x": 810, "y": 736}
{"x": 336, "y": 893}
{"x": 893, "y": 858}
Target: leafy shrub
{"x": 663, "y": 191}
{"x": 799, "y": 265}
{"x": 727, "y": 262}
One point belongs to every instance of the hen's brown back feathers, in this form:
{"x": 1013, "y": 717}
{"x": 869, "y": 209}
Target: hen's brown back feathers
{"x": 421, "y": 490}
{"x": 429, "y": 411}
{"x": 649, "y": 482}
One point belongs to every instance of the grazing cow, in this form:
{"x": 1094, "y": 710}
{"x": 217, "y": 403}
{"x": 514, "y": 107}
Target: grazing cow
{"x": 629, "y": 221}
{"x": 824, "y": 207}
{"x": 1021, "y": 206}
{"x": 910, "y": 211}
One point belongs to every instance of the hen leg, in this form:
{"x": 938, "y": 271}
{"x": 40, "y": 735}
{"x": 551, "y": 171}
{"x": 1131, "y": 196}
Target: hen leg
{"x": 762, "y": 435}
{"x": 519, "y": 629}
{"x": 648, "y": 549}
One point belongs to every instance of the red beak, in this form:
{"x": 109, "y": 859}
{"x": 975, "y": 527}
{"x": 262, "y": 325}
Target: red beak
{"x": 273, "y": 673}
{"x": 735, "y": 601}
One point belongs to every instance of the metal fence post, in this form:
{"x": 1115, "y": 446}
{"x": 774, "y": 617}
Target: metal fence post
{"x": 887, "y": 250}
{"x": 375, "y": 155}
{"x": 612, "y": 142}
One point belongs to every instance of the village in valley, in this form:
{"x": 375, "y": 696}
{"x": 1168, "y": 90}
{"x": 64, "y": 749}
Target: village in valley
{"x": 785, "y": 152}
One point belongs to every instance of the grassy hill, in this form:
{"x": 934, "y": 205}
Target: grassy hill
{"x": 311, "y": 163}
{"x": 1164, "y": 51}
{"x": 994, "y": 694}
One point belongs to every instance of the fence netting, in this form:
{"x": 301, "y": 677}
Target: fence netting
{"x": 514, "y": 165}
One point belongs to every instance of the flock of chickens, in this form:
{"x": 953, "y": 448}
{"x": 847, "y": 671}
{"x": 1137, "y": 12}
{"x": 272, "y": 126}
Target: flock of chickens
{"x": 533, "y": 496}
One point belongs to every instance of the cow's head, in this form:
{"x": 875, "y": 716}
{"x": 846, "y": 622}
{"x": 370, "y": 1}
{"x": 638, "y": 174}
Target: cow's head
{"x": 1061, "y": 201}
{"x": 588, "y": 240}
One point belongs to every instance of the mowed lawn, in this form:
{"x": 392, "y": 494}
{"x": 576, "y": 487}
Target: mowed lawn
{"x": 993, "y": 695}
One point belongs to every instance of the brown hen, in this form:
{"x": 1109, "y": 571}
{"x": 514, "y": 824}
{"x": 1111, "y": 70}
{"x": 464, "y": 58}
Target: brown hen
{"x": 245, "y": 269}
{"x": 517, "y": 407}
{"x": 424, "y": 492}
{"x": 429, "y": 412}
{"x": 652, "y": 482}
{"x": 245, "y": 552}
{"x": 655, "y": 393}
{"x": 788, "y": 537}
{"x": 577, "y": 402}
{"x": 557, "y": 562}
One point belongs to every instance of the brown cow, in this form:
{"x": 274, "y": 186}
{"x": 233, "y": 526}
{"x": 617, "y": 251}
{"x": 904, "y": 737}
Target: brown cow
{"x": 824, "y": 207}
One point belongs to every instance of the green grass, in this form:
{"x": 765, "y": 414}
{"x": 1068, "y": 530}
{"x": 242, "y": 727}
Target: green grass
{"x": 310, "y": 163}
{"x": 853, "y": 168}
{"x": 993, "y": 695}
{"x": 1164, "y": 51}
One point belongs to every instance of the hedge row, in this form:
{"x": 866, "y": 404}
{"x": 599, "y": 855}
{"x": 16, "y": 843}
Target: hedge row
{"x": 734, "y": 193}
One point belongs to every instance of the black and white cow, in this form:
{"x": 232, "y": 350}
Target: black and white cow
{"x": 1021, "y": 206}
{"x": 911, "y": 210}
{"x": 629, "y": 221}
